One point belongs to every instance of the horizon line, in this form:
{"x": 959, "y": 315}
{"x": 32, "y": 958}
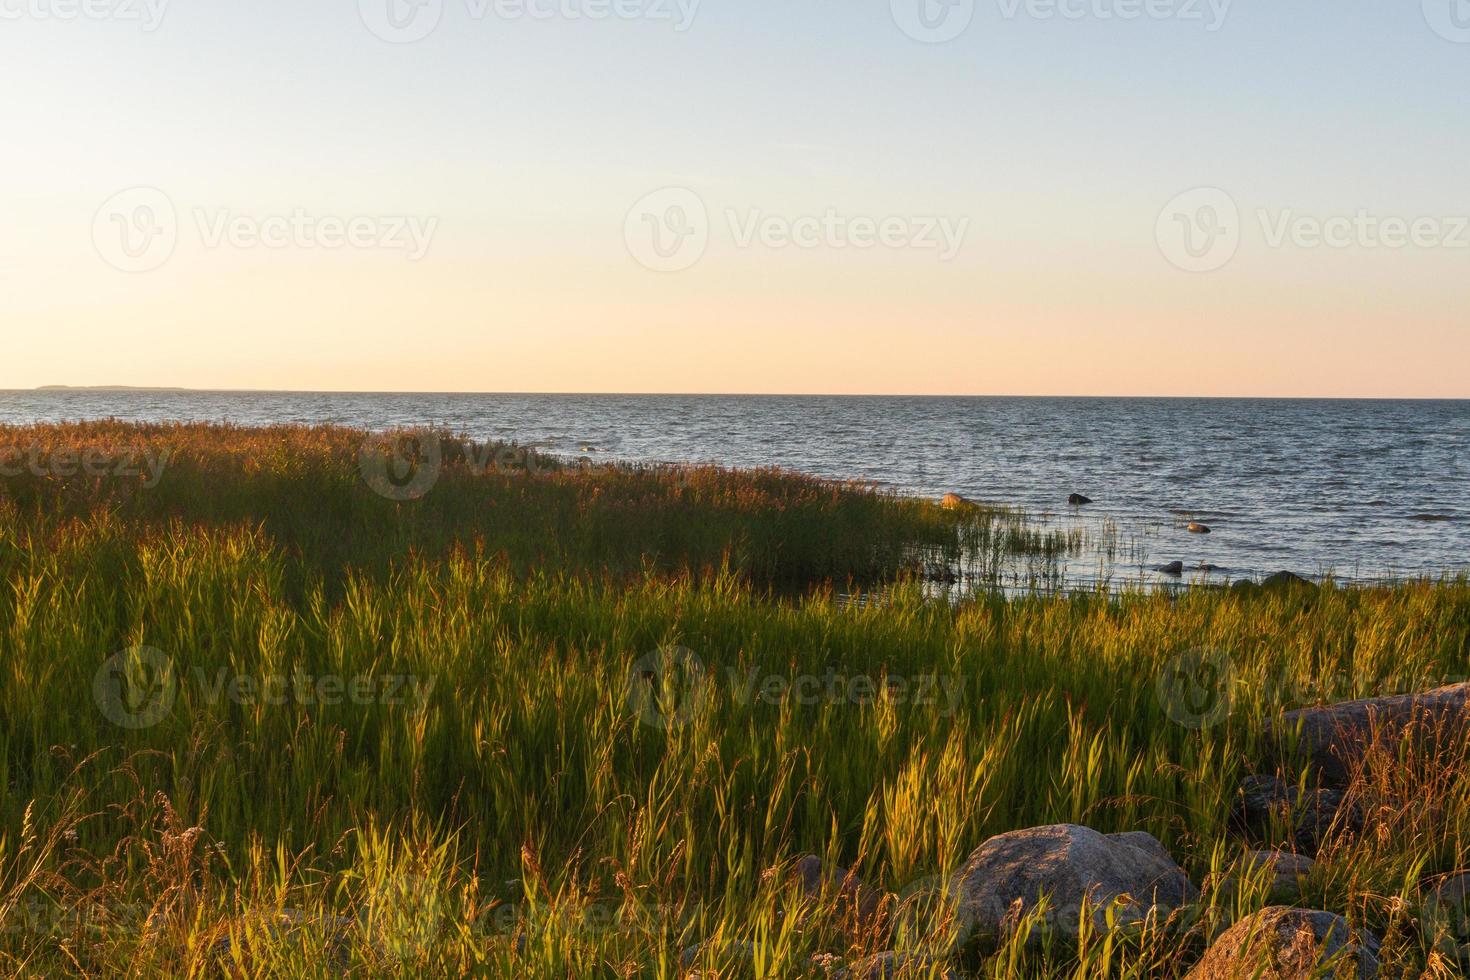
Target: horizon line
{"x": 171, "y": 389}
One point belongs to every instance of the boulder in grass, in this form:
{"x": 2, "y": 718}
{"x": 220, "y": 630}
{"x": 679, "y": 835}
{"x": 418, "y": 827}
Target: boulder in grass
{"x": 953, "y": 501}
{"x": 853, "y": 900}
{"x": 1281, "y": 871}
{"x": 896, "y": 966}
{"x": 1445, "y": 914}
{"x": 1334, "y": 739}
{"x": 1281, "y": 943}
{"x": 1067, "y": 866}
{"x": 1279, "y": 814}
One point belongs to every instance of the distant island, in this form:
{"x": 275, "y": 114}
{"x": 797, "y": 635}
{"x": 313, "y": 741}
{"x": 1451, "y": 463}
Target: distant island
{"x": 106, "y": 388}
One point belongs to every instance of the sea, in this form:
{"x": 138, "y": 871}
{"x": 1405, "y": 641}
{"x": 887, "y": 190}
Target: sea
{"x": 1356, "y": 489}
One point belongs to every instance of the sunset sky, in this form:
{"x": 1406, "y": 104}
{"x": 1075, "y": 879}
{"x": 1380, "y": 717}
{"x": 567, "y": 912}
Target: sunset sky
{"x": 531, "y": 146}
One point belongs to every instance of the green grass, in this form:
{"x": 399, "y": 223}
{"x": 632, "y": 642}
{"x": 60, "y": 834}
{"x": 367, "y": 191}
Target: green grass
{"x": 527, "y": 802}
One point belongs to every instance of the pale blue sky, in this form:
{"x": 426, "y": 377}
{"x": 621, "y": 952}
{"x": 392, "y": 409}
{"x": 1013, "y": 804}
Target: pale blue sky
{"x": 1059, "y": 140}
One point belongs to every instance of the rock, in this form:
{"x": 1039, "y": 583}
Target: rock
{"x": 733, "y": 952}
{"x": 1279, "y": 814}
{"x": 1286, "y": 580}
{"x": 1173, "y": 568}
{"x": 1445, "y": 913}
{"x": 1077, "y": 500}
{"x": 1069, "y": 864}
{"x": 1194, "y": 527}
{"x": 1280, "y": 943}
{"x": 1209, "y": 569}
{"x": 890, "y": 966}
{"x": 1285, "y": 870}
{"x": 845, "y": 890}
{"x": 953, "y": 501}
{"x": 1334, "y": 739}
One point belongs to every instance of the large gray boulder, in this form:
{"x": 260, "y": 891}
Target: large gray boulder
{"x": 1068, "y": 865}
{"x": 1333, "y": 739}
{"x": 1289, "y": 944}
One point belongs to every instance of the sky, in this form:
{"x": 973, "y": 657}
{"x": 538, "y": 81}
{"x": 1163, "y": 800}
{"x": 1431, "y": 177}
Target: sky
{"x": 1105, "y": 197}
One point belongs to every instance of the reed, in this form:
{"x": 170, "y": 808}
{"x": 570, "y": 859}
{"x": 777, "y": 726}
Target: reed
{"x": 573, "y": 722}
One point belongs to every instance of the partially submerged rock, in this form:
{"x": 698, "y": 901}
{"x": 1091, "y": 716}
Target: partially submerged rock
{"x": 1068, "y": 865}
{"x": 1172, "y": 568}
{"x": 1334, "y": 739}
{"x": 1289, "y": 944}
{"x": 1195, "y": 527}
{"x": 1078, "y": 500}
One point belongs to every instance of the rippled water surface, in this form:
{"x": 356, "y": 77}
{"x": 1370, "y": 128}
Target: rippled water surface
{"x": 1358, "y": 488}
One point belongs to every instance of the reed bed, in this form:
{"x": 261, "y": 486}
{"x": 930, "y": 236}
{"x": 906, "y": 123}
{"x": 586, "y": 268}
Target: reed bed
{"x": 259, "y": 721}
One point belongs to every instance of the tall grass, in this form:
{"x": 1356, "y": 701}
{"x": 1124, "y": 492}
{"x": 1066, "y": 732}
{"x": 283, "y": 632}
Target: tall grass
{"x": 578, "y": 757}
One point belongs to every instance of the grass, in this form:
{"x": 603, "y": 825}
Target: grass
{"x": 578, "y": 720}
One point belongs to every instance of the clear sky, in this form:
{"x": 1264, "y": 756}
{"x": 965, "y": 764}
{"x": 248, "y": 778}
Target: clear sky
{"x": 1063, "y": 197}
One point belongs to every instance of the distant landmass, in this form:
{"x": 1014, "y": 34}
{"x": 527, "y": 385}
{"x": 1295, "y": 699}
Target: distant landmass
{"x": 104, "y": 388}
